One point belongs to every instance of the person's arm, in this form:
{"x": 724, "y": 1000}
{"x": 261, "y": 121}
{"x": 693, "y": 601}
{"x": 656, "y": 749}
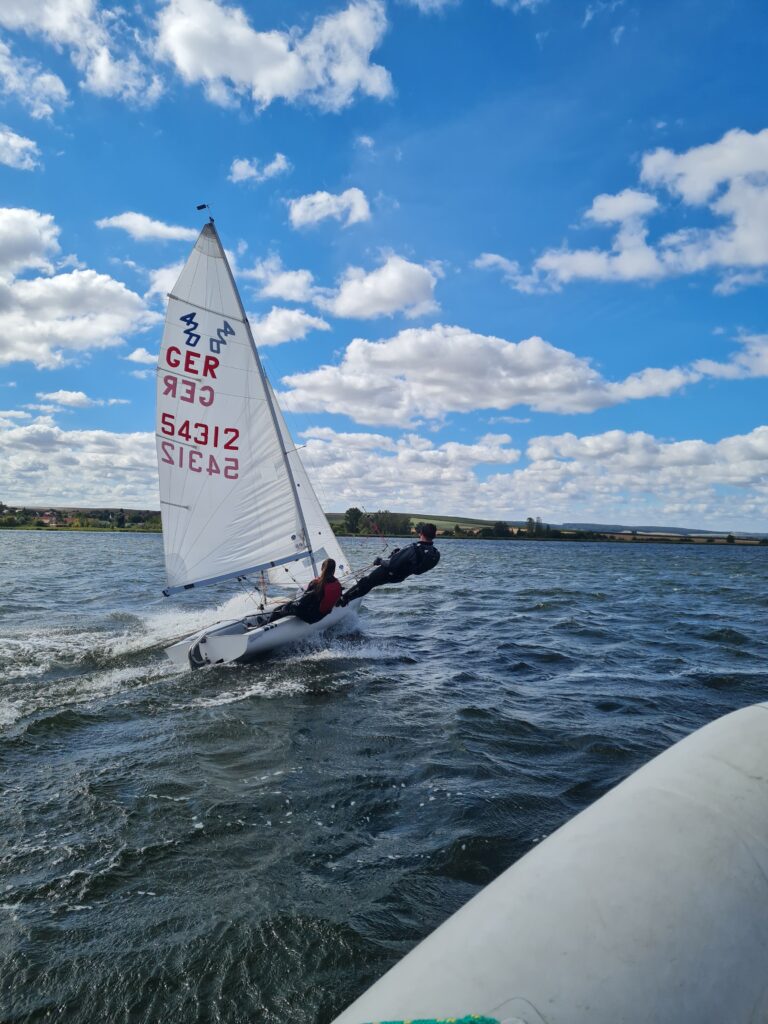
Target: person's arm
{"x": 404, "y": 561}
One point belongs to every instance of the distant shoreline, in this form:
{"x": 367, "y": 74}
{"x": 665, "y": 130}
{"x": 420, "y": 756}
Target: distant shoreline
{"x": 574, "y": 536}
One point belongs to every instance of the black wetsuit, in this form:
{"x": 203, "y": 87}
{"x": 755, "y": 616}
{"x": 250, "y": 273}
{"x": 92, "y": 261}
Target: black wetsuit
{"x": 414, "y": 560}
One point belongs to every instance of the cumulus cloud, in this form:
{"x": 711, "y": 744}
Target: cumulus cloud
{"x": 27, "y": 241}
{"x": 729, "y": 178}
{"x": 510, "y": 269}
{"x": 143, "y": 228}
{"x": 18, "y": 151}
{"x": 435, "y": 6}
{"x": 311, "y": 209}
{"x": 141, "y": 355}
{"x": 162, "y": 280}
{"x": 396, "y": 286}
{"x": 251, "y": 170}
{"x": 431, "y": 6}
{"x": 326, "y": 66}
{"x": 44, "y": 318}
{"x": 38, "y": 91}
{"x": 615, "y": 476}
{"x": 279, "y": 283}
{"x": 749, "y": 361}
{"x": 42, "y": 463}
{"x": 667, "y": 478}
{"x": 409, "y": 472}
{"x": 426, "y": 373}
{"x": 280, "y": 325}
{"x": 77, "y": 399}
{"x": 92, "y": 35}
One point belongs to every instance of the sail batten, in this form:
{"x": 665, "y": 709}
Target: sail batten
{"x": 233, "y": 490}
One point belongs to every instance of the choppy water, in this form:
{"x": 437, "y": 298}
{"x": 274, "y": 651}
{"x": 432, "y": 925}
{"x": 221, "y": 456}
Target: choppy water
{"x": 258, "y": 843}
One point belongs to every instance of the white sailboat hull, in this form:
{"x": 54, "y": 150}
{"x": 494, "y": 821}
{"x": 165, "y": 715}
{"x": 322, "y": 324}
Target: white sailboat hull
{"x": 243, "y": 640}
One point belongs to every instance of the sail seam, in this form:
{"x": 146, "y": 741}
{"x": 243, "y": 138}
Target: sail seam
{"x": 207, "y": 309}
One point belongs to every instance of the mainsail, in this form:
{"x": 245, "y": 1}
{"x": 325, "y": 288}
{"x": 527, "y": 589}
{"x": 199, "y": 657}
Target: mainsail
{"x": 235, "y": 498}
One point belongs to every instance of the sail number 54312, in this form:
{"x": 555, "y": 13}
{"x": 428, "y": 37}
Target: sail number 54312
{"x": 200, "y": 433}
{"x": 196, "y": 461}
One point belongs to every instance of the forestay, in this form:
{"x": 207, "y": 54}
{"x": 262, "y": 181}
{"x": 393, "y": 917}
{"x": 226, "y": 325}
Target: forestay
{"x": 229, "y": 501}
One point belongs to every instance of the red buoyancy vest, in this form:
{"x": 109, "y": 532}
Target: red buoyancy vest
{"x": 331, "y": 594}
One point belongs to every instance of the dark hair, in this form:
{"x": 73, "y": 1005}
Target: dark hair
{"x": 327, "y": 569}
{"x": 428, "y": 530}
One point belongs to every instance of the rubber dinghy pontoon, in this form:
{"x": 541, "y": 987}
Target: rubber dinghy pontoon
{"x": 649, "y": 907}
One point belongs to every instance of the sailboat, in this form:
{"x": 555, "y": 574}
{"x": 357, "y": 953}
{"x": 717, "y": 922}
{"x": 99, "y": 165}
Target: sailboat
{"x": 236, "y": 501}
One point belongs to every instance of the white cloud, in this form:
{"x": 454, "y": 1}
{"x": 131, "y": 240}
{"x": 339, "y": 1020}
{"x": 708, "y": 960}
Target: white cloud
{"x": 697, "y": 174}
{"x": 279, "y": 283}
{"x": 78, "y": 399}
{"x": 492, "y": 261}
{"x": 734, "y": 280}
{"x": 162, "y": 280}
{"x": 36, "y": 90}
{"x": 327, "y": 66}
{"x": 750, "y": 361}
{"x": 431, "y": 6}
{"x": 44, "y": 318}
{"x": 426, "y": 373}
{"x": 617, "y": 209}
{"x": 41, "y": 463}
{"x": 397, "y": 286}
{"x": 250, "y": 170}
{"x": 143, "y": 228}
{"x": 141, "y": 355}
{"x": 311, "y": 209}
{"x": 409, "y": 473}
{"x": 616, "y": 476}
{"x": 519, "y": 5}
{"x": 27, "y": 240}
{"x": 729, "y": 177}
{"x": 18, "y": 151}
{"x": 365, "y": 142}
{"x": 92, "y": 35}
{"x": 280, "y": 325}
{"x": 626, "y": 470}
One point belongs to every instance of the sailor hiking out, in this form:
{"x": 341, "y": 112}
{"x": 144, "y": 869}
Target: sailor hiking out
{"x": 414, "y": 560}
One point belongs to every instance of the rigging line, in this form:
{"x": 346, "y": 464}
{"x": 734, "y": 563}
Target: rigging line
{"x": 259, "y": 607}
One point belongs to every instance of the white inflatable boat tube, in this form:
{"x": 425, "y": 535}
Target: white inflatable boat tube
{"x": 649, "y": 907}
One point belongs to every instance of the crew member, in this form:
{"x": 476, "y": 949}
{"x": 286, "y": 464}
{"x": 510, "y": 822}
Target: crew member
{"x": 317, "y": 601}
{"x": 416, "y": 559}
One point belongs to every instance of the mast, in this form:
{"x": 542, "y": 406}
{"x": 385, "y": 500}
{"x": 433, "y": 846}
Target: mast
{"x": 270, "y": 402}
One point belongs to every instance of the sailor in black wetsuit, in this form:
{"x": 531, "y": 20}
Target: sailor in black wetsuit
{"x": 416, "y": 559}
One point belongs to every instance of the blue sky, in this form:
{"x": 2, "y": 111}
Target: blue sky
{"x": 501, "y": 258}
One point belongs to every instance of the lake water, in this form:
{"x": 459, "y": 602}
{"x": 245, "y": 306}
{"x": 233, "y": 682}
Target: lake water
{"x": 259, "y": 843}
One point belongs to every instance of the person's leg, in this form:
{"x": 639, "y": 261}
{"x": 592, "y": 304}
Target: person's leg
{"x": 281, "y": 611}
{"x": 374, "y": 579}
